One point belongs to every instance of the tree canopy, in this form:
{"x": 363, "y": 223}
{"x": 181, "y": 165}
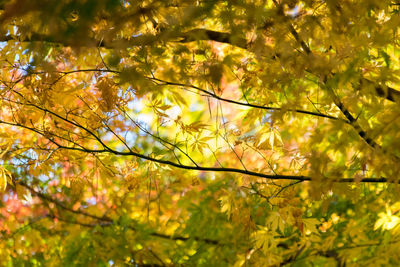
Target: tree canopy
{"x": 199, "y": 133}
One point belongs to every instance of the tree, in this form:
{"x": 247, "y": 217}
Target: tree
{"x": 198, "y": 133}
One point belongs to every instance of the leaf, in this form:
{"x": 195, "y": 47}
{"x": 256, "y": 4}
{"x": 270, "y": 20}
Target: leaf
{"x": 271, "y": 136}
{"x": 310, "y": 225}
{"x": 386, "y": 221}
{"x": 23, "y": 193}
{"x": 3, "y": 180}
{"x": 386, "y": 57}
{"x": 271, "y": 140}
{"x": 276, "y": 222}
{"x": 226, "y": 205}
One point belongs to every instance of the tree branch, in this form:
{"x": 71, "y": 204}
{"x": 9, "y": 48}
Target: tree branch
{"x": 215, "y": 96}
{"x": 140, "y": 40}
{"x": 352, "y": 121}
{"x": 387, "y": 92}
{"x": 301, "y": 178}
{"x": 207, "y": 93}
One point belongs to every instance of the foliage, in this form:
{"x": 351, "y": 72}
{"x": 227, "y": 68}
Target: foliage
{"x": 199, "y": 133}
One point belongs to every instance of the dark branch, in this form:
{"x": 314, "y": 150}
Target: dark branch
{"x": 352, "y": 121}
{"x": 140, "y": 40}
{"x": 387, "y": 92}
{"x": 221, "y": 37}
{"x": 208, "y": 93}
{"x": 215, "y": 96}
{"x": 301, "y": 178}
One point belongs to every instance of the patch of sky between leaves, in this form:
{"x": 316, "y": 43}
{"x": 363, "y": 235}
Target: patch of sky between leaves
{"x": 136, "y": 105}
{"x": 294, "y": 11}
{"x": 3, "y": 44}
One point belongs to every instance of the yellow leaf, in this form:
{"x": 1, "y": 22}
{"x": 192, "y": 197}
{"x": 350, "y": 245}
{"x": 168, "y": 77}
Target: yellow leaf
{"x": 276, "y": 221}
{"x": 310, "y": 225}
{"x": 5, "y": 177}
{"x": 272, "y": 136}
{"x": 23, "y": 193}
{"x": 3, "y": 180}
{"x": 264, "y": 137}
{"x": 386, "y": 221}
{"x": 271, "y": 140}
{"x": 226, "y": 205}
{"x": 278, "y": 136}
